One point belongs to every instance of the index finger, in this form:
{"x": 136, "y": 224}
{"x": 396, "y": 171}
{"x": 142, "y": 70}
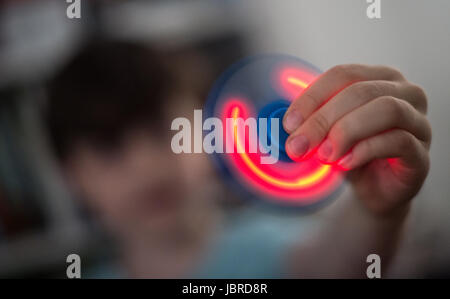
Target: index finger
{"x": 329, "y": 84}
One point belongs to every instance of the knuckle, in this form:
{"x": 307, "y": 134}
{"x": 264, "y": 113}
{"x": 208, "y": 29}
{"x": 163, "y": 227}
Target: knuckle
{"x": 395, "y": 108}
{"x": 394, "y": 73}
{"x": 320, "y": 124}
{"x": 406, "y": 141}
{"x": 428, "y": 130}
{"x": 425, "y": 131}
{"x": 341, "y": 132}
{"x": 419, "y": 94}
{"x": 385, "y": 101}
{"x": 311, "y": 100}
{"x": 419, "y": 91}
{"x": 365, "y": 148}
{"x": 368, "y": 89}
{"x": 348, "y": 72}
{"x": 399, "y": 108}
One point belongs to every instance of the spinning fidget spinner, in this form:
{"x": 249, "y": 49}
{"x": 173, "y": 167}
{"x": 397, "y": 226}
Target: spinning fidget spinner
{"x": 263, "y": 87}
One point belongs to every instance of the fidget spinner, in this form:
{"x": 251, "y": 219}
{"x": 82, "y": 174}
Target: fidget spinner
{"x": 263, "y": 87}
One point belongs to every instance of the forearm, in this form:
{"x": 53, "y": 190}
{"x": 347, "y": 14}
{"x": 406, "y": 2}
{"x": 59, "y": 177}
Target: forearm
{"x": 351, "y": 232}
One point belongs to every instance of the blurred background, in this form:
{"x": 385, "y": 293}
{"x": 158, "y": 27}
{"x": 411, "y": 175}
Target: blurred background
{"x": 41, "y": 223}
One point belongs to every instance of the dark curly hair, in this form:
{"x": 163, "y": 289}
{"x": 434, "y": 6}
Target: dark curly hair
{"x": 107, "y": 88}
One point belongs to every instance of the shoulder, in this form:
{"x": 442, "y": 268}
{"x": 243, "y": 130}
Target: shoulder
{"x": 253, "y": 245}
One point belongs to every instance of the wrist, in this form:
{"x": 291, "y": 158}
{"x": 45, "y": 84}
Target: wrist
{"x": 383, "y": 213}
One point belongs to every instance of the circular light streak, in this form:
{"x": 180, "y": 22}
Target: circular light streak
{"x": 241, "y": 93}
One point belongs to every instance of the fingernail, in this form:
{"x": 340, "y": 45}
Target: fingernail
{"x": 325, "y": 150}
{"x": 345, "y": 161}
{"x": 292, "y": 120}
{"x": 298, "y": 146}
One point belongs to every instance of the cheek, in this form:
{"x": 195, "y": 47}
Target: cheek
{"x": 106, "y": 189}
{"x": 196, "y": 170}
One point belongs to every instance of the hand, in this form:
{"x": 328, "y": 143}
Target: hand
{"x": 370, "y": 120}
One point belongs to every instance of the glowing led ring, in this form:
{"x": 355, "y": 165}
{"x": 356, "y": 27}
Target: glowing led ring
{"x": 250, "y": 87}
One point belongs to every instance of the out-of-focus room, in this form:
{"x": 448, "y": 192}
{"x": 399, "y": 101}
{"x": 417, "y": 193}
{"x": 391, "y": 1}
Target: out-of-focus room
{"x": 42, "y": 220}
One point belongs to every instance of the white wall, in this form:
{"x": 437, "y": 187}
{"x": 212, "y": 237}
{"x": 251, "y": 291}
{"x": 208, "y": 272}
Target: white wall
{"x": 413, "y": 36}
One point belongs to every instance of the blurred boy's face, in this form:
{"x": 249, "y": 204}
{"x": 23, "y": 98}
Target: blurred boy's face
{"x": 140, "y": 186}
